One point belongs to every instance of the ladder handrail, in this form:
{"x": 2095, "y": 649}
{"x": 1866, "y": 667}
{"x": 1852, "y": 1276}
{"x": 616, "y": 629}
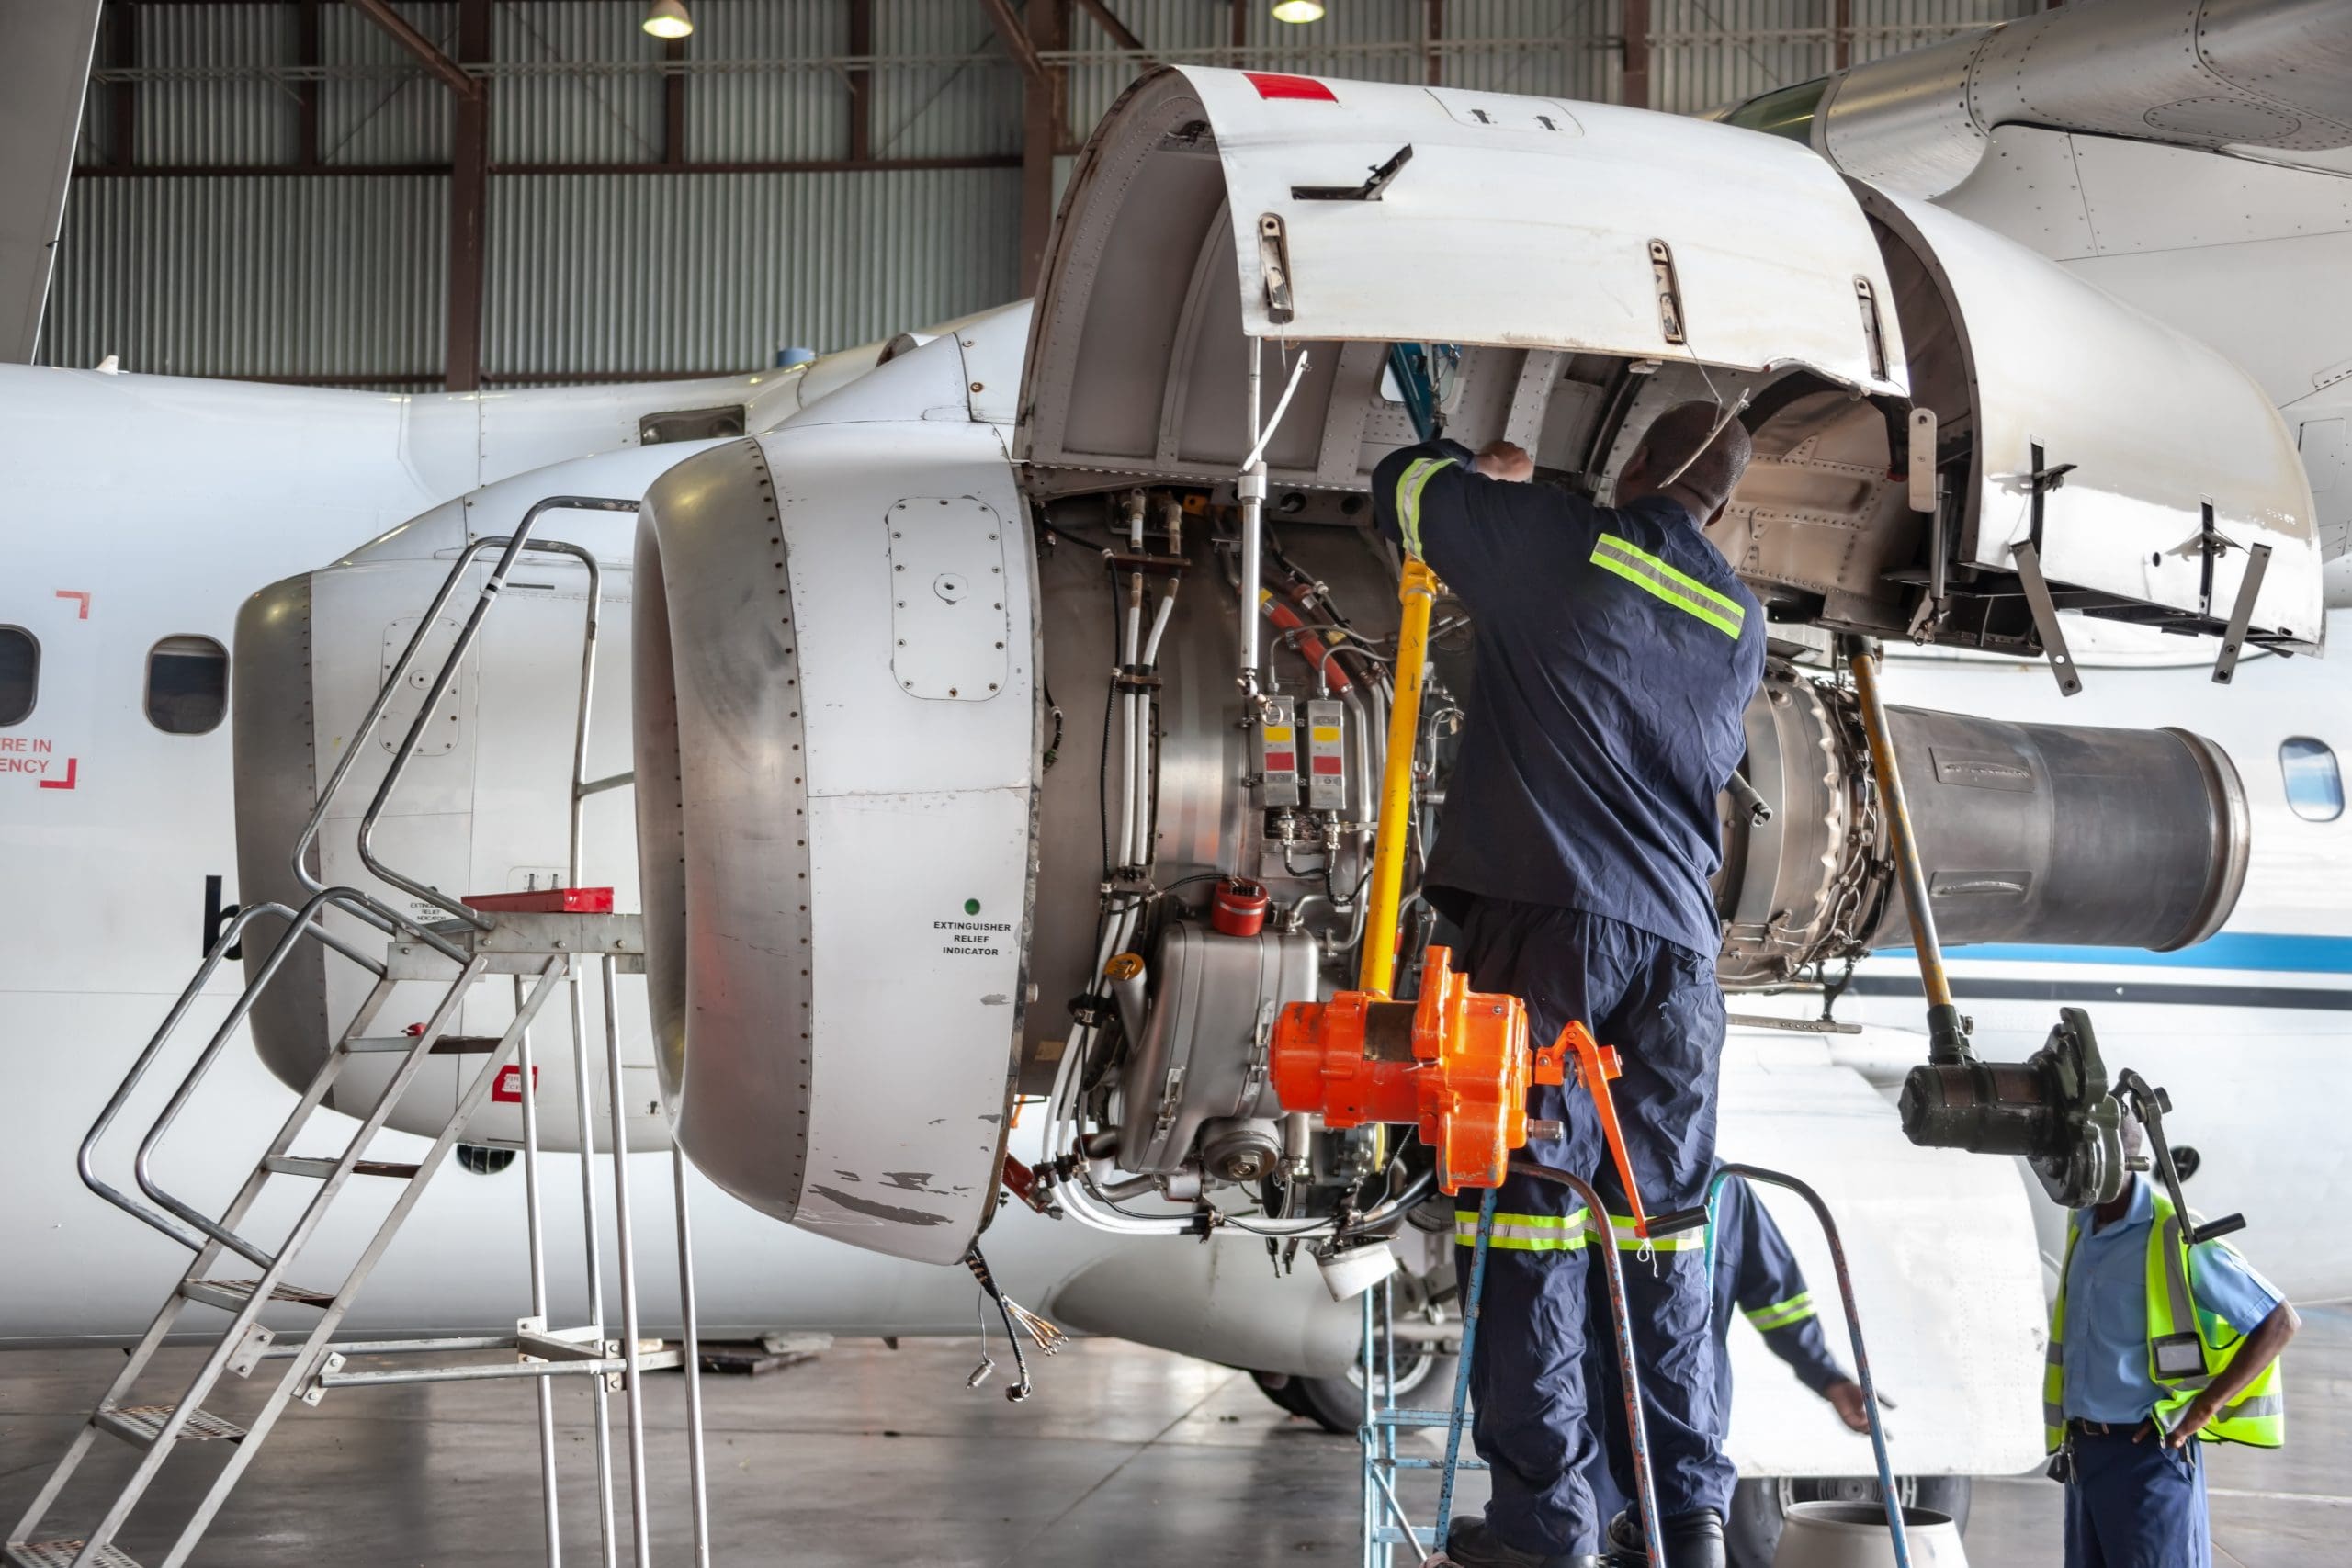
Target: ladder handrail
{"x": 1893, "y": 1503}
{"x": 302, "y": 925}
{"x": 143, "y": 1162}
{"x": 485, "y": 598}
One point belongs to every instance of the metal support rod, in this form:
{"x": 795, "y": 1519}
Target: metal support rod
{"x": 598, "y": 1369}
{"x": 602, "y": 1406}
{"x": 1894, "y": 1503}
{"x": 1629, "y": 1375}
{"x": 625, "y": 1246}
{"x": 1377, "y": 968}
{"x": 608, "y": 1541}
{"x": 528, "y": 1088}
{"x": 1947, "y": 1035}
{"x": 1252, "y": 491}
{"x": 1461, "y": 1406}
{"x": 1368, "y": 1520}
{"x": 1388, "y": 1371}
{"x": 697, "y": 1478}
{"x": 440, "y": 1346}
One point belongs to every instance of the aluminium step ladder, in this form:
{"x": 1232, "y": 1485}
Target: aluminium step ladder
{"x": 1384, "y": 1523}
{"x": 536, "y": 941}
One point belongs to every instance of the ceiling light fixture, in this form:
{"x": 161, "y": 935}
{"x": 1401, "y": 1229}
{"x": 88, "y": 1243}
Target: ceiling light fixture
{"x": 667, "y": 18}
{"x": 1298, "y": 10}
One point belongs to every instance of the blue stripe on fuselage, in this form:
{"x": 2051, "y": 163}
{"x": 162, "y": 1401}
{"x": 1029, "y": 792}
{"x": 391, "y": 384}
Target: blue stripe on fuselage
{"x": 2277, "y": 953}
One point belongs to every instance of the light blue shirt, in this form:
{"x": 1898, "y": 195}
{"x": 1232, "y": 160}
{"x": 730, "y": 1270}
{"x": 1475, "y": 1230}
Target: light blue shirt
{"x": 2107, "y": 1309}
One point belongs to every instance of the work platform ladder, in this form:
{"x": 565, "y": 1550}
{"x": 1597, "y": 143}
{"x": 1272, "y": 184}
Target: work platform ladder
{"x": 536, "y": 941}
{"x": 1385, "y": 1523}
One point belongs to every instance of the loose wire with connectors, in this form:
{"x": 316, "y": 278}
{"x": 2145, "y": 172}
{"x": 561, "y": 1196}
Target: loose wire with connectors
{"x": 1018, "y": 1320}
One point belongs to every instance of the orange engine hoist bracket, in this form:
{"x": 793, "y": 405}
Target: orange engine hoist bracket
{"x": 1456, "y": 1063}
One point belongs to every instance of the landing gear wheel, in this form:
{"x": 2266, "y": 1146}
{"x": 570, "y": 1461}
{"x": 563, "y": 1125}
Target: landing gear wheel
{"x": 1752, "y": 1532}
{"x": 1336, "y": 1405}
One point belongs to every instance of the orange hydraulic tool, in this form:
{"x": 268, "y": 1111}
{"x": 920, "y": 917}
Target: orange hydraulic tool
{"x": 1456, "y": 1062}
{"x": 1595, "y": 1065}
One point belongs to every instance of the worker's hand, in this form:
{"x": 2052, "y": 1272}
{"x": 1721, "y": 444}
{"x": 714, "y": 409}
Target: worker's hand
{"x": 2201, "y": 1409}
{"x": 1846, "y": 1398}
{"x": 1505, "y": 460}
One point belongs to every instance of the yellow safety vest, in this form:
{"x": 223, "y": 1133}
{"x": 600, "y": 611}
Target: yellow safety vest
{"x": 2188, "y": 1349}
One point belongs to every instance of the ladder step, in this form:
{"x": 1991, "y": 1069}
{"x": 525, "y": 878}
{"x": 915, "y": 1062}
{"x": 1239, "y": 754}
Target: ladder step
{"x": 59, "y": 1554}
{"x": 448, "y": 1046}
{"x": 1403, "y": 1462}
{"x": 1401, "y": 1416}
{"x": 545, "y": 901}
{"x": 230, "y": 1295}
{"x": 304, "y": 1165}
{"x": 142, "y": 1424}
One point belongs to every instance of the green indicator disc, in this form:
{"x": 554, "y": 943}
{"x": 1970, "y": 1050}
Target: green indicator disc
{"x": 971, "y": 906}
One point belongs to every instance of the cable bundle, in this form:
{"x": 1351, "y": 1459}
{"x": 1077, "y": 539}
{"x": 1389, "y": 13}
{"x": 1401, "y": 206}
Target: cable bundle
{"x": 1018, "y": 1320}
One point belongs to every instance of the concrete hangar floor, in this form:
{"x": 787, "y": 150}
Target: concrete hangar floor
{"x": 868, "y": 1456}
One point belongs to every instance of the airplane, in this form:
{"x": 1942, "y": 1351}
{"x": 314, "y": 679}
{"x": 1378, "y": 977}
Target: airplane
{"x": 215, "y": 488}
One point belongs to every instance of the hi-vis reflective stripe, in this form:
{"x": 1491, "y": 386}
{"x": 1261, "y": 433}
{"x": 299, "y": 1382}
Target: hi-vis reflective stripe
{"x": 1679, "y": 589}
{"x": 1558, "y": 1233}
{"x": 1780, "y": 1315}
{"x": 1409, "y": 485}
{"x": 1526, "y": 1233}
{"x": 1688, "y": 1241}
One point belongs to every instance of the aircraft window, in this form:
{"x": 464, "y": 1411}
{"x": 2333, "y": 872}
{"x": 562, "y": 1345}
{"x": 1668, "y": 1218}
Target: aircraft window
{"x": 2314, "y": 785}
{"x": 20, "y": 674}
{"x": 188, "y": 684}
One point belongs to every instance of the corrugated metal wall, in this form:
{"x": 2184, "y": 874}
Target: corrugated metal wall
{"x": 634, "y": 273}
{"x": 320, "y": 274}
{"x": 281, "y": 276}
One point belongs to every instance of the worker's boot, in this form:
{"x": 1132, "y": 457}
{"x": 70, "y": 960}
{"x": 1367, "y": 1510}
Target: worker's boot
{"x": 1692, "y": 1540}
{"x": 1470, "y": 1544}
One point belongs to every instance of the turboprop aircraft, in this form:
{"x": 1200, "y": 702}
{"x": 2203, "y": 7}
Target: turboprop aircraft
{"x": 936, "y": 777}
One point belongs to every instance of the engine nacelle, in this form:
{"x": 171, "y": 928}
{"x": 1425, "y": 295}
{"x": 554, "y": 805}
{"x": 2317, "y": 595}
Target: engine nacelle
{"x": 2058, "y": 834}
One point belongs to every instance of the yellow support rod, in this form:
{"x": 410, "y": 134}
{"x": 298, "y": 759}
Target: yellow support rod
{"x": 1416, "y": 592}
{"x": 1946, "y": 1032}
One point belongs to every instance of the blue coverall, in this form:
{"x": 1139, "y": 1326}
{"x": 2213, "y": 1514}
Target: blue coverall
{"x": 2135, "y": 1503}
{"x": 1756, "y": 1276}
{"x": 1614, "y": 653}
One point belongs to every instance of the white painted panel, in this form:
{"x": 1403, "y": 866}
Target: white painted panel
{"x": 2156, "y": 424}
{"x": 1946, "y": 1275}
{"x": 866, "y": 733}
{"x": 1499, "y": 234}
{"x": 947, "y": 597}
{"x": 917, "y": 995}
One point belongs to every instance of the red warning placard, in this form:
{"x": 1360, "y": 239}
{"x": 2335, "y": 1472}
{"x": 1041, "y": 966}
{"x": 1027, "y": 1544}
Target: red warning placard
{"x": 507, "y": 1088}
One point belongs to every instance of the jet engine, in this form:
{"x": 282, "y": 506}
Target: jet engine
{"x": 970, "y": 790}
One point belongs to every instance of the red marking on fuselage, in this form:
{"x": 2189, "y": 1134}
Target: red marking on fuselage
{"x": 71, "y": 763}
{"x": 83, "y": 594}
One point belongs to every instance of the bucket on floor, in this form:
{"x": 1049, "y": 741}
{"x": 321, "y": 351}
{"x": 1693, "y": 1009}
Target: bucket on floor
{"x": 1854, "y": 1535}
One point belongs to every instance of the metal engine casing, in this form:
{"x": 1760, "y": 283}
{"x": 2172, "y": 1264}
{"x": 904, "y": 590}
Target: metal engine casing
{"x": 1202, "y": 1056}
{"x": 2035, "y": 833}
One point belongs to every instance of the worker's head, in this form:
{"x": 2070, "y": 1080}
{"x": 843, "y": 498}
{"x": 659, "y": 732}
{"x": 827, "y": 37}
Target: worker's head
{"x": 1677, "y": 460}
{"x": 2128, "y": 1128}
